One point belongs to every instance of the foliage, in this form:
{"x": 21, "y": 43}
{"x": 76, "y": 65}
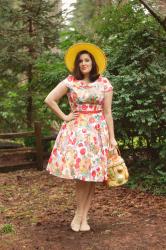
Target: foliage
{"x": 13, "y": 107}
{"x": 28, "y": 29}
{"x": 50, "y": 70}
{"x": 153, "y": 181}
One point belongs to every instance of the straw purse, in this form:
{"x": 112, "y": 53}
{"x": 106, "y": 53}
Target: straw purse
{"x": 117, "y": 169}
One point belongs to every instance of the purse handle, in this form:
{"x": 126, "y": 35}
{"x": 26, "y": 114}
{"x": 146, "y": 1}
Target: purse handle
{"x": 117, "y": 148}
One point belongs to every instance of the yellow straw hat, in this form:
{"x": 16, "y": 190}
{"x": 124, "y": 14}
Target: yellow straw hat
{"x": 98, "y": 54}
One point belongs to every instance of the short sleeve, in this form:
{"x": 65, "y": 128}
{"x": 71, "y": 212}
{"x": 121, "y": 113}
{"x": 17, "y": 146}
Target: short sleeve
{"x": 107, "y": 85}
{"x": 68, "y": 81}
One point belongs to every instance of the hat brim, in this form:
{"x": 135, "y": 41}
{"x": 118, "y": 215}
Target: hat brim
{"x": 98, "y": 54}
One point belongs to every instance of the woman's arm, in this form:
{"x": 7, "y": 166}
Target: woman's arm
{"x": 109, "y": 119}
{"x": 52, "y": 101}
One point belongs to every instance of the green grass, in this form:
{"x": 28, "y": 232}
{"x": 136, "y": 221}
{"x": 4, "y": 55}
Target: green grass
{"x": 7, "y": 228}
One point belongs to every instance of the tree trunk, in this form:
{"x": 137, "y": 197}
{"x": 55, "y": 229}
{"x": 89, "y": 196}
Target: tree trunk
{"x": 157, "y": 17}
{"x": 29, "y": 99}
{"x": 30, "y": 77}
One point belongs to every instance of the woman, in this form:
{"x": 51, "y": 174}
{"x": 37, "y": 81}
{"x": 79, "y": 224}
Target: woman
{"x": 87, "y": 133}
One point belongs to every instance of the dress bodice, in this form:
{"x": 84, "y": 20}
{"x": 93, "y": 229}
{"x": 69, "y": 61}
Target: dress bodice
{"x": 87, "y": 96}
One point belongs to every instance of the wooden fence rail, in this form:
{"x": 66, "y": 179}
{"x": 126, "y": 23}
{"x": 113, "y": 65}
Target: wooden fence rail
{"x": 37, "y": 151}
{"x": 17, "y": 135}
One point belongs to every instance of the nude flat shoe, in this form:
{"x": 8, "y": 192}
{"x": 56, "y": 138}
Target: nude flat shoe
{"x": 76, "y": 223}
{"x": 84, "y": 227}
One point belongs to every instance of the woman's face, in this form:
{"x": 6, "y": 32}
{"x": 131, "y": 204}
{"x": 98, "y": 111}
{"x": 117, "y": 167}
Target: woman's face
{"x": 85, "y": 64}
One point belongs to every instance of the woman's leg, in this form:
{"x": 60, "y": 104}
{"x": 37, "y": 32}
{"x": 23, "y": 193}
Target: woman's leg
{"x": 84, "y": 195}
{"x": 86, "y": 206}
{"x": 82, "y": 191}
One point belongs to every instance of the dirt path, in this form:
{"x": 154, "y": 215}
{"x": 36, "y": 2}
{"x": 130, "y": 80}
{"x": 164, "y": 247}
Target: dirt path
{"x": 40, "y": 207}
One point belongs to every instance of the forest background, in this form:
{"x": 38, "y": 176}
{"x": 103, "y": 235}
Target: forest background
{"x": 33, "y": 40}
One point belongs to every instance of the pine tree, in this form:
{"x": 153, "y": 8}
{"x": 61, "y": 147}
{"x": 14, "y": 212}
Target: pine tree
{"x": 27, "y": 29}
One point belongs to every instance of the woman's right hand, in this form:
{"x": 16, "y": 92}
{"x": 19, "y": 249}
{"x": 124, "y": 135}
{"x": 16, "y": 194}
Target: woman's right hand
{"x": 71, "y": 116}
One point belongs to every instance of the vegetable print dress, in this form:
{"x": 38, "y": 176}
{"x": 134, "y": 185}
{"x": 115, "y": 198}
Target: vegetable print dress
{"x": 81, "y": 147}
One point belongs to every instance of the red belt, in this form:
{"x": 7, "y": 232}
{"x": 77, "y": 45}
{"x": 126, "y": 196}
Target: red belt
{"x": 89, "y": 112}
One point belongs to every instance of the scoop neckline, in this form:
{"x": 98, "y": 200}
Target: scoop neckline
{"x": 90, "y": 82}
{"x": 84, "y": 83}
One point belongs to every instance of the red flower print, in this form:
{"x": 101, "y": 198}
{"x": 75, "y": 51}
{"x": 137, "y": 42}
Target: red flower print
{"x": 74, "y": 141}
{"x": 97, "y": 126}
{"x": 93, "y": 173}
{"x": 75, "y": 122}
{"x": 83, "y": 178}
{"x": 77, "y": 165}
{"x": 102, "y": 118}
{"x": 50, "y": 159}
{"x": 106, "y": 151}
{"x": 78, "y": 160}
{"x": 80, "y": 144}
{"x": 63, "y": 126}
{"x": 95, "y": 140}
{"x": 83, "y": 130}
{"x": 74, "y": 96}
{"x": 54, "y": 151}
{"x": 98, "y": 169}
{"x": 105, "y": 81}
{"x": 82, "y": 151}
{"x": 91, "y": 120}
{"x": 70, "y": 78}
{"x": 84, "y": 107}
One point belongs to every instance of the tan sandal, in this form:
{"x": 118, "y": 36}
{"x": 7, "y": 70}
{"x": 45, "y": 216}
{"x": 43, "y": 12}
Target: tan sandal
{"x": 76, "y": 223}
{"x": 84, "y": 227}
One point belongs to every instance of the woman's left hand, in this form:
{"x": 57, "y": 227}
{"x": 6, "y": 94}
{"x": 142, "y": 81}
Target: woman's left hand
{"x": 112, "y": 144}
